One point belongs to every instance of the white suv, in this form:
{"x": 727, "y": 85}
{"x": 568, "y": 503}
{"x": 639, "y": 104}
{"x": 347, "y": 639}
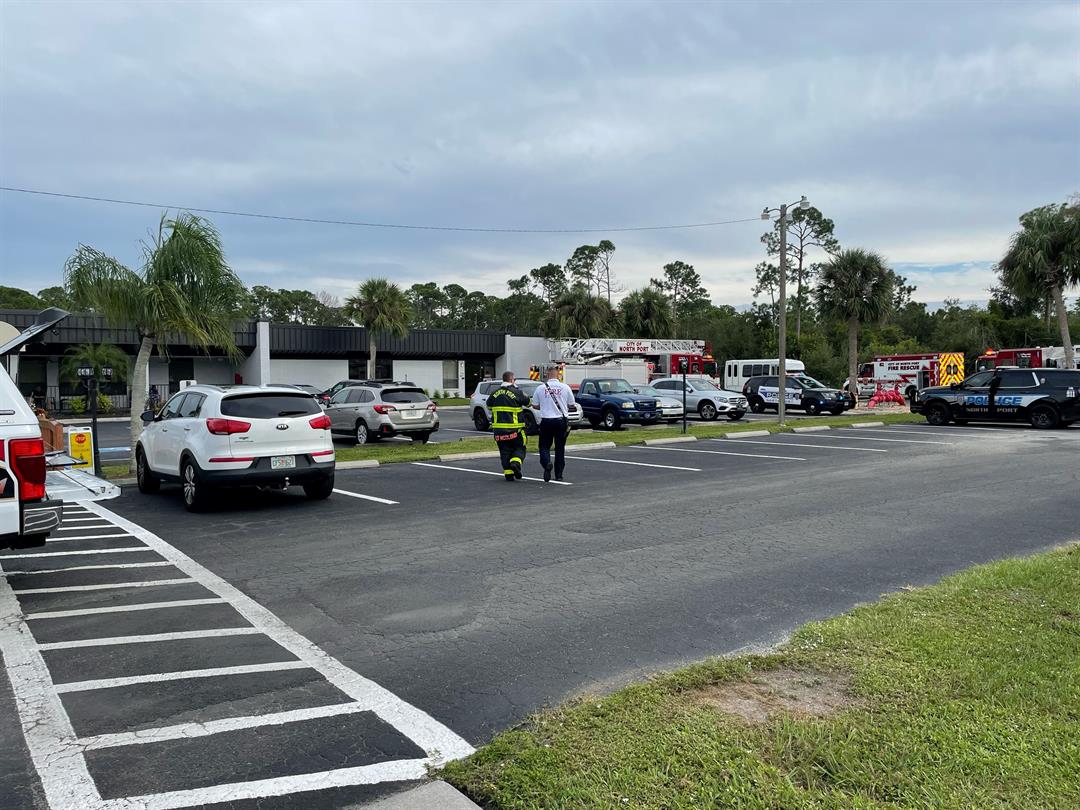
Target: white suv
{"x": 481, "y": 416}
{"x": 210, "y": 436}
{"x": 704, "y": 396}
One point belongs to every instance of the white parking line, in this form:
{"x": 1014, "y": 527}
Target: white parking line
{"x": 845, "y": 437}
{"x": 181, "y": 675}
{"x": 397, "y": 770}
{"x": 6, "y": 573}
{"x": 726, "y": 453}
{"x": 365, "y": 497}
{"x": 483, "y": 472}
{"x": 64, "y": 614}
{"x": 633, "y": 463}
{"x": 185, "y": 731}
{"x": 804, "y": 444}
{"x": 84, "y": 519}
{"x": 462, "y": 430}
{"x": 85, "y": 537}
{"x": 150, "y": 638}
{"x": 124, "y": 550}
{"x": 140, "y": 584}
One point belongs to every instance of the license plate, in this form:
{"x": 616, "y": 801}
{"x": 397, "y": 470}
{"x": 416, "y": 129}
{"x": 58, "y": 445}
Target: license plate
{"x": 282, "y": 462}
{"x": 411, "y": 414}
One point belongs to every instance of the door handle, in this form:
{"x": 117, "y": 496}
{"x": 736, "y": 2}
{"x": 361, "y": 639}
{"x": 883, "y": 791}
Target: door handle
{"x": 186, "y": 429}
{"x": 164, "y": 430}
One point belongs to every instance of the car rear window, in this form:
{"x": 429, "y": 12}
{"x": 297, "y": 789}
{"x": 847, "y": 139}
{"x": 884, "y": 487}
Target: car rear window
{"x": 404, "y": 395}
{"x": 269, "y": 406}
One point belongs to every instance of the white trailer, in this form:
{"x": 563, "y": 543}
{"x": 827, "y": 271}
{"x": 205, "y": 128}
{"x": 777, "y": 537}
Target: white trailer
{"x": 737, "y": 372}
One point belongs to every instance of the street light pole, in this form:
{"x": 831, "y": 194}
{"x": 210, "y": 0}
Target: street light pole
{"x": 781, "y": 377}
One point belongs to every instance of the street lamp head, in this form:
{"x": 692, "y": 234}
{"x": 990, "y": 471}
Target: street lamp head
{"x": 765, "y": 214}
{"x": 804, "y": 203}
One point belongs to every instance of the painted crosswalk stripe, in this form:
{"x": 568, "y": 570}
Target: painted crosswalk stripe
{"x": 186, "y": 731}
{"x": 85, "y": 537}
{"x": 140, "y": 584}
{"x": 34, "y": 555}
{"x": 726, "y": 453}
{"x": 181, "y": 675}
{"x": 365, "y": 497}
{"x": 6, "y": 573}
{"x": 176, "y": 603}
{"x": 482, "y": 472}
{"x": 633, "y": 463}
{"x": 150, "y": 638}
{"x": 805, "y": 444}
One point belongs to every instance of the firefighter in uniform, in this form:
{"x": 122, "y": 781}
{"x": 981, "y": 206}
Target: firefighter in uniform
{"x": 506, "y": 403}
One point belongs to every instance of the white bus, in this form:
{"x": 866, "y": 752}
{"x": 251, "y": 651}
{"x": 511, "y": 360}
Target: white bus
{"x": 737, "y": 372}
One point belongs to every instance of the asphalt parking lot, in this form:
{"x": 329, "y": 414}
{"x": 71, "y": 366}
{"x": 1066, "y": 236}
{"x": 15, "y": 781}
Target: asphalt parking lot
{"x": 325, "y": 652}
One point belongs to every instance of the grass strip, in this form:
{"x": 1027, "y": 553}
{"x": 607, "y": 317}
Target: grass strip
{"x": 961, "y": 694}
{"x": 389, "y": 452}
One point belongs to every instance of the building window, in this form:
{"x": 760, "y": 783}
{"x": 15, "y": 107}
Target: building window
{"x": 450, "y": 374}
{"x": 384, "y": 368}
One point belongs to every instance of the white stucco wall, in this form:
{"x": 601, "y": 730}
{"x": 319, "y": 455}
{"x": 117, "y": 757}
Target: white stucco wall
{"x": 425, "y": 373}
{"x": 255, "y": 370}
{"x": 320, "y": 373}
{"x": 522, "y": 352}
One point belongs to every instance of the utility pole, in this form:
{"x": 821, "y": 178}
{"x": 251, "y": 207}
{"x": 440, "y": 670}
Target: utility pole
{"x": 781, "y": 394}
{"x": 781, "y": 404}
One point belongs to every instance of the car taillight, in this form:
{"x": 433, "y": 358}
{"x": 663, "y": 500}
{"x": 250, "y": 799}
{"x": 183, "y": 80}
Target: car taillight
{"x": 384, "y": 409}
{"x": 320, "y": 422}
{"x": 432, "y": 407}
{"x": 226, "y": 427}
{"x": 27, "y": 461}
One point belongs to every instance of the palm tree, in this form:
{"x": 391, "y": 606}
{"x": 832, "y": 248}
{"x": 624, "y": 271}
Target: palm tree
{"x": 184, "y": 286}
{"x": 646, "y": 313}
{"x": 96, "y": 355}
{"x": 855, "y": 286}
{"x": 381, "y": 307}
{"x": 1044, "y": 260}
{"x": 576, "y": 313}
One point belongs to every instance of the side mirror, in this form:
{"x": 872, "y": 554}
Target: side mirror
{"x": 147, "y": 416}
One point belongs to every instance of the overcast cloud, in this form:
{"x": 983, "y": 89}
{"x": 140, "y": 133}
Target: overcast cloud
{"x": 922, "y": 129}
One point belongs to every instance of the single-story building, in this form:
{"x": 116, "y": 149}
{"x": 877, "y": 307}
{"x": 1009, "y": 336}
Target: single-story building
{"x": 443, "y": 360}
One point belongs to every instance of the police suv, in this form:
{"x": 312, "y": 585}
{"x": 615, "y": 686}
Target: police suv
{"x": 1045, "y": 397}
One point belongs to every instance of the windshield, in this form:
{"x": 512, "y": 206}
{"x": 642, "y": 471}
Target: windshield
{"x": 404, "y": 395}
{"x": 527, "y": 388}
{"x": 809, "y": 382}
{"x": 615, "y": 387}
{"x": 648, "y": 391}
{"x": 269, "y": 406}
{"x": 706, "y": 385}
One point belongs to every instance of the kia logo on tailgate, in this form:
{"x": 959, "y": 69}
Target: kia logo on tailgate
{"x": 283, "y": 426}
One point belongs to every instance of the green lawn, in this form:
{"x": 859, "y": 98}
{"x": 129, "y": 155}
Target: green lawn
{"x": 965, "y": 694}
{"x": 451, "y": 401}
{"x": 396, "y": 451}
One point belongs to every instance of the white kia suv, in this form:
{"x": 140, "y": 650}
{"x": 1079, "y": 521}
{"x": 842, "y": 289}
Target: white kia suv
{"x": 210, "y": 436}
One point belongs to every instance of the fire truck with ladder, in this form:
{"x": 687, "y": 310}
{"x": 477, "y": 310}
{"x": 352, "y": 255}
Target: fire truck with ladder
{"x": 633, "y": 359}
{"x": 907, "y": 373}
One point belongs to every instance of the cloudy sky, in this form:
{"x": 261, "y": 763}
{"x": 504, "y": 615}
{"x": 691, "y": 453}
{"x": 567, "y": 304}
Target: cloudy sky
{"x": 922, "y": 128}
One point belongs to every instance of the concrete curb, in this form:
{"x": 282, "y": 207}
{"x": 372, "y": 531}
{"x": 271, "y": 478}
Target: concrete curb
{"x": 454, "y": 407}
{"x": 670, "y": 440}
{"x": 590, "y": 446}
{"x": 437, "y": 794}
{"x": 469, "y": 456}
{"x": 812, "y": 429}
{"x": 357, "y": 465}
{"x": 867, "y": 424}
{"x": 747, "y": 433}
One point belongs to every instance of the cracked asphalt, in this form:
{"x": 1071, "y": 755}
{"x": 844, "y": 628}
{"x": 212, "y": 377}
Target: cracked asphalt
{"x": 480, "y": 602}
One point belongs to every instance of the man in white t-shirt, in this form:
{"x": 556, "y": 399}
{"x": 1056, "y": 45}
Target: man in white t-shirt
{"x": 553, "y": 399}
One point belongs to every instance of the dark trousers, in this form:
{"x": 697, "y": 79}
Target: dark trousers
{"x": 553, "y": 430}
{"x": 511, "y": 445}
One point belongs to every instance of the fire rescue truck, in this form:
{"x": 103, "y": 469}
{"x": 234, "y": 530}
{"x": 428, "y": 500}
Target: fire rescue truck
{"x": 910, "y": 372}
{"x": 635, "y": 360}
{"x": 1038, "y": 357}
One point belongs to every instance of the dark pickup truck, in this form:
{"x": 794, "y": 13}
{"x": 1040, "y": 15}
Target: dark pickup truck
{"x": 610, "y": 401}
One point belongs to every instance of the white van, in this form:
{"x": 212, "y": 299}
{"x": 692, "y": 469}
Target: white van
{"x": 737, "y": 372}
{"x": 33, "y": 483}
